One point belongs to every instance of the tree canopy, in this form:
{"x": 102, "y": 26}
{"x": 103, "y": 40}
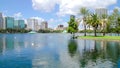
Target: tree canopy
{"x": 72, "y": 26}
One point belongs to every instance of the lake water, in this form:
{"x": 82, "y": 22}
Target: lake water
{"x": 56, "y": 51}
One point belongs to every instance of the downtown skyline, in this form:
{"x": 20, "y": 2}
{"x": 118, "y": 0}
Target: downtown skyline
{"x": 55, "y": 12}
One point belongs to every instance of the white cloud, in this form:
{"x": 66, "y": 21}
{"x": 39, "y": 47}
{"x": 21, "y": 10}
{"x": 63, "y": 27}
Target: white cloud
{"x": 18, "y": 15}
{"x": 44, "y": 5}
{"x": 69, "y": 6}
{"x": 73, "y": 6}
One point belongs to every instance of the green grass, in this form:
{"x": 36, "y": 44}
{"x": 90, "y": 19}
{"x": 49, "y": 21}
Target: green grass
{"x": 101, "y": 37}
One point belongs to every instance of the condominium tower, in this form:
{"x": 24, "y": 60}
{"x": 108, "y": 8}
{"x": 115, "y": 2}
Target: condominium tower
{"x": 32, "y": 24}
{"x": 101, "y": 11}
{"x": 44, "y": 25}
{"x": 1, "y": 21}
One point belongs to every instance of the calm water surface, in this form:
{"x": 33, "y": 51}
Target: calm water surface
{"x": 56, "y": 51}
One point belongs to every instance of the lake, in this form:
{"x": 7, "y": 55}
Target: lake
{"x": 56, "y": 51}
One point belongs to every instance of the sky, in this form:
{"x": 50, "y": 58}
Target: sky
{"x": 55, "y": 12}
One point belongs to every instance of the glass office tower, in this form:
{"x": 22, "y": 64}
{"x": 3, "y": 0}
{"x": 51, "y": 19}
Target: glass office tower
{"x": 9, "y": 22}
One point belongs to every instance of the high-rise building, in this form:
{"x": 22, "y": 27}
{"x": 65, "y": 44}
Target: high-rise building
{"x": 21, "y": 24}
{"x": 32, "y": 24}
{"x": 9, "y": 22}
{"x": 16, "y": 25}
{"x": 1, "y": 21}
{"x": 60, "y": 27}
{"x": 36, "y": 26}
{"x": 29, "y": 24}
{"x": 44, "y": 25}
{"x": 101, "y": 11}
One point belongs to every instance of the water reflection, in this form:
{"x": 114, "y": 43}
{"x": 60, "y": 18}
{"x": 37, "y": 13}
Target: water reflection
{"x": 113, "y": 50}
{"x": 104, "y": 54}
{"x": 72, "y": 47}
{"x": 56, "y": 51}
{"x": 9, "y": 43}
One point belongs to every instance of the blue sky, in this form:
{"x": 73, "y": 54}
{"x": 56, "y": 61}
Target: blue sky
{"x": 54, "y": 11}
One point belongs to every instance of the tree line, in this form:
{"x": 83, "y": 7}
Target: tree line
{"x": 108, "y": 23}
{"x": 10, "y": 30}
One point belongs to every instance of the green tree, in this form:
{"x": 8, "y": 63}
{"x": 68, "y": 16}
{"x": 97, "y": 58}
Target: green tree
{"x": 84, "y": 12}
{"x": 116, "y": 16}
{"x": 115, "y": 13}
{"x": 118, "y": 25}
{"x": 72, "y": 26}
{"x": 110, "y": 21}
{"x": 94, "y": 22}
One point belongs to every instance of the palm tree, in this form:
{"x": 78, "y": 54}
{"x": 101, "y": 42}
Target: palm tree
{"x": 104, "y": 23}
{"x": 88, "y": 20}
{"x": 84, "y": 12}
{"x": 94, "y": 22}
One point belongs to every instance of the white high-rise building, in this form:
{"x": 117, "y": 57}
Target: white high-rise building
{"x": 1, "y": 21}
{"x": 101, "y": 11}
{"x": 44, "y": 25}
{"x": 32, "y": 24}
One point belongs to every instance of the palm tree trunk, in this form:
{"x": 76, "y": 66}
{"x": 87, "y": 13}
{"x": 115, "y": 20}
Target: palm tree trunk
{"x": 104, "y": 30}
{"x": 85, "y": 30}
{"x": 103, "y": 33}
{"x": 95, "y": 32}
{"x": 73, "y": 35}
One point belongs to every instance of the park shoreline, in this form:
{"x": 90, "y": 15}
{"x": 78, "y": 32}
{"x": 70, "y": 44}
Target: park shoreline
{"x": 101, "y": 38}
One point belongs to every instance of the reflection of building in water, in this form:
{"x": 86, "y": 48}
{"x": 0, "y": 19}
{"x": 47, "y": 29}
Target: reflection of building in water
{"x": 2, "y": 44}
{"x": 9, "y": 42}
{"x": 18, "y": 44}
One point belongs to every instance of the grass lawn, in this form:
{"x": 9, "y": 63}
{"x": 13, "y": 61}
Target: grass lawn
{"x": 101, "y": 37}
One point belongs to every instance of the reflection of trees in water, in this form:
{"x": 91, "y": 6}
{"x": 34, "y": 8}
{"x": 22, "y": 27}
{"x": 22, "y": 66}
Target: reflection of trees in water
{"x": 113, "y": 51}
{"x": 72, "y": 47}
{"x": 89, "y": 54}
{"x": 96, "y": 52}
{"x": 106, "y": 51}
